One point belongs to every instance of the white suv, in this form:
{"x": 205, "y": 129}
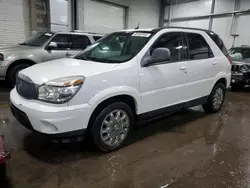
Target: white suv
{"x": 125, "y": 77}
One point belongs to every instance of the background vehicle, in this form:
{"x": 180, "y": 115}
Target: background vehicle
{"x": 126, "y": 76}
{"x": 240, "y": 66}
{"x": 43, "y": 46}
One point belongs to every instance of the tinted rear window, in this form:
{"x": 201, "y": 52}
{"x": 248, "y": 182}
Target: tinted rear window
{"x": 218, "y": 41}
{"x": 198, "y": 47}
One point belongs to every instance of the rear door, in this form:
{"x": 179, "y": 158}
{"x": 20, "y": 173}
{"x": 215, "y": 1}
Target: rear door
{"x": 164, "y": 84}
{"x": 202, "y": 66}
{"x": 79, "y": 43}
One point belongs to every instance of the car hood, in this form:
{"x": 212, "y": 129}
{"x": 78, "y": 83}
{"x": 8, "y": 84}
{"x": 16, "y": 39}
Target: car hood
{"x": 65, "y": 67}
{"x": 15, "y": 48}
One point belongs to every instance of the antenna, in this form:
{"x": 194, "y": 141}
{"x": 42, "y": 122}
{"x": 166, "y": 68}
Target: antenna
{"x": 138, "y": 26}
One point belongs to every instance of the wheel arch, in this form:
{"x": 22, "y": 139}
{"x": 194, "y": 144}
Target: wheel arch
{"x": 19, "y": 61}
{"x": 223, "y": 81}
{"x": 126, "y": 98}
{"x": 222, "y": 77}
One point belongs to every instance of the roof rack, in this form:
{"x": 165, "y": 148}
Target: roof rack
{"x": 81, "y": 31}
{"x": 173, "y": 27}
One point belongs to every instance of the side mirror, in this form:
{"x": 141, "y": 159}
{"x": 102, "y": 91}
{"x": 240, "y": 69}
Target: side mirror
{"x": 158, "y": 55}
{"x": 52, "y": 45}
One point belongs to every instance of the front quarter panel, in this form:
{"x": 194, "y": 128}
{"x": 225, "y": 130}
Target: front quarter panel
{"x": 120, "y": 80}
{"x": 15, "y": 56}
{"x": 23, "y": 55}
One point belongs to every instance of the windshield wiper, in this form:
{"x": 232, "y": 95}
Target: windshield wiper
{"x": 103, "y": 60}
{"x": 82, "y": 58}
{"x": 23, "y": 43}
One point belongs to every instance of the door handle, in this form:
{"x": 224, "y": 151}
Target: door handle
{"x": 68, "y": 54}
{"x": 214, "y": 63}
{"x": 183, "y": 68}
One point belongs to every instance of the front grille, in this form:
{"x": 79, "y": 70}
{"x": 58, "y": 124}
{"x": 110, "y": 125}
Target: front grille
{"x": 26, "y": 89}
{"x": 21, "y": 117}
{"x": 235, "y": 68}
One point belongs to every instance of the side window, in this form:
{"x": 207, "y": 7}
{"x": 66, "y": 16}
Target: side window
{"x": 62, "y": 41}
{"x": 245, "y": 53}
{"x": 97, "y": 37}
{"x": 172, "y": 41}
{"x": 218, "y": 41}
{"x": 198, "y": 47}
{"x": 80, "y": 42}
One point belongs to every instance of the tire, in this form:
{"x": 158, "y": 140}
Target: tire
{"x": 12, "y": 73}
{"x": 211, "y": 106}
{"x": 98, "y": 130}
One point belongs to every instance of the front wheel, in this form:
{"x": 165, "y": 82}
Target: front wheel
{"x": 215, "y": 99}
{"x": 13, "y": 72}
{"x": 112, "y": 126}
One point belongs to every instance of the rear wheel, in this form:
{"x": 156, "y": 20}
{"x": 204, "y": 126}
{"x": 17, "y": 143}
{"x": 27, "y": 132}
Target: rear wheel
{"x": 13, "y": 72}
{"x": 111, "y": 126}
{"x": 215, "y": 99}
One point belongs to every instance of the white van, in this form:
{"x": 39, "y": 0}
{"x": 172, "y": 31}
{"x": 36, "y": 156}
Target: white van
{"x": 127, "y": 76}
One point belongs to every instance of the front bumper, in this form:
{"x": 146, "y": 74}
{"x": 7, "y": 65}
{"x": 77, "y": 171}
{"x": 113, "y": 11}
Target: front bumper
{"x": 3, "y": 68}
{"x": 240, "y": 78}
{"x": 57, "y": 121}
{"x": 2, "y": 73}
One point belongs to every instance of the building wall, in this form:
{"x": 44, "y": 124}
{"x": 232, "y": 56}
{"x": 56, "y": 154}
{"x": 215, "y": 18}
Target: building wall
{"x": 195, "y": 8}
{"x": 199, "y": 23}
{"x": 145, "y": 12}
{"x": 59, "y": 19}
{"x": 100, "y": 17}
{"x": 39, "y": 15}
{"x": 221, "y": 25}
{"x": 14, "y": 21}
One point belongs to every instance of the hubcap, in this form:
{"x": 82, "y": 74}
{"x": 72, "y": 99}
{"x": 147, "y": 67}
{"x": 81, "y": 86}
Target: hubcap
{"x": 218, "y": 98}
{"x": 114, "y": 128}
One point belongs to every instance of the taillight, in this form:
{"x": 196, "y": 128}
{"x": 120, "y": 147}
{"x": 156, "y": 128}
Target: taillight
{"x": 230, "y": 59}
{"x": 1, "y": 57}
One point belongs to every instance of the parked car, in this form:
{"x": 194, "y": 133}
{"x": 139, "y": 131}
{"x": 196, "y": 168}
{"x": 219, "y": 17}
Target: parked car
{"x": 43, "y": 46}
{"x": 240, "y": 66}
{"x": 126, "y": 77}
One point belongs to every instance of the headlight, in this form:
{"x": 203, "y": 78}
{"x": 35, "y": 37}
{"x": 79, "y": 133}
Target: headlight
{"x": 244, "y": 69}
{"x": 60, "y": 90}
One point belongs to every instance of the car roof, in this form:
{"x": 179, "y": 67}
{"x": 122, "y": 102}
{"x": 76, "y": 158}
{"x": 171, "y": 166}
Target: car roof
{"x": 80, "y": 33}
{"x": 155, "y": 30}
{"x": 133, "y": 30}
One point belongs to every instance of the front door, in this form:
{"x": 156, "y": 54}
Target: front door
{"x": 164, "y": 84}
{"x": 62, "y": 49}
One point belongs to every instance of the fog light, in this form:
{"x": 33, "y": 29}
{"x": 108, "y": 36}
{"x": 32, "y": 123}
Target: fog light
{"x": 48, "y": 127}
{"x": 233, "y": 80}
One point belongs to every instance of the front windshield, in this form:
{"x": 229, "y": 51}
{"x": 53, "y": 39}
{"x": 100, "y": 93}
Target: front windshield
{"x": 240, "y": 54}
{"x": 116, "y": 47}
{"x": 38, "y": 39}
